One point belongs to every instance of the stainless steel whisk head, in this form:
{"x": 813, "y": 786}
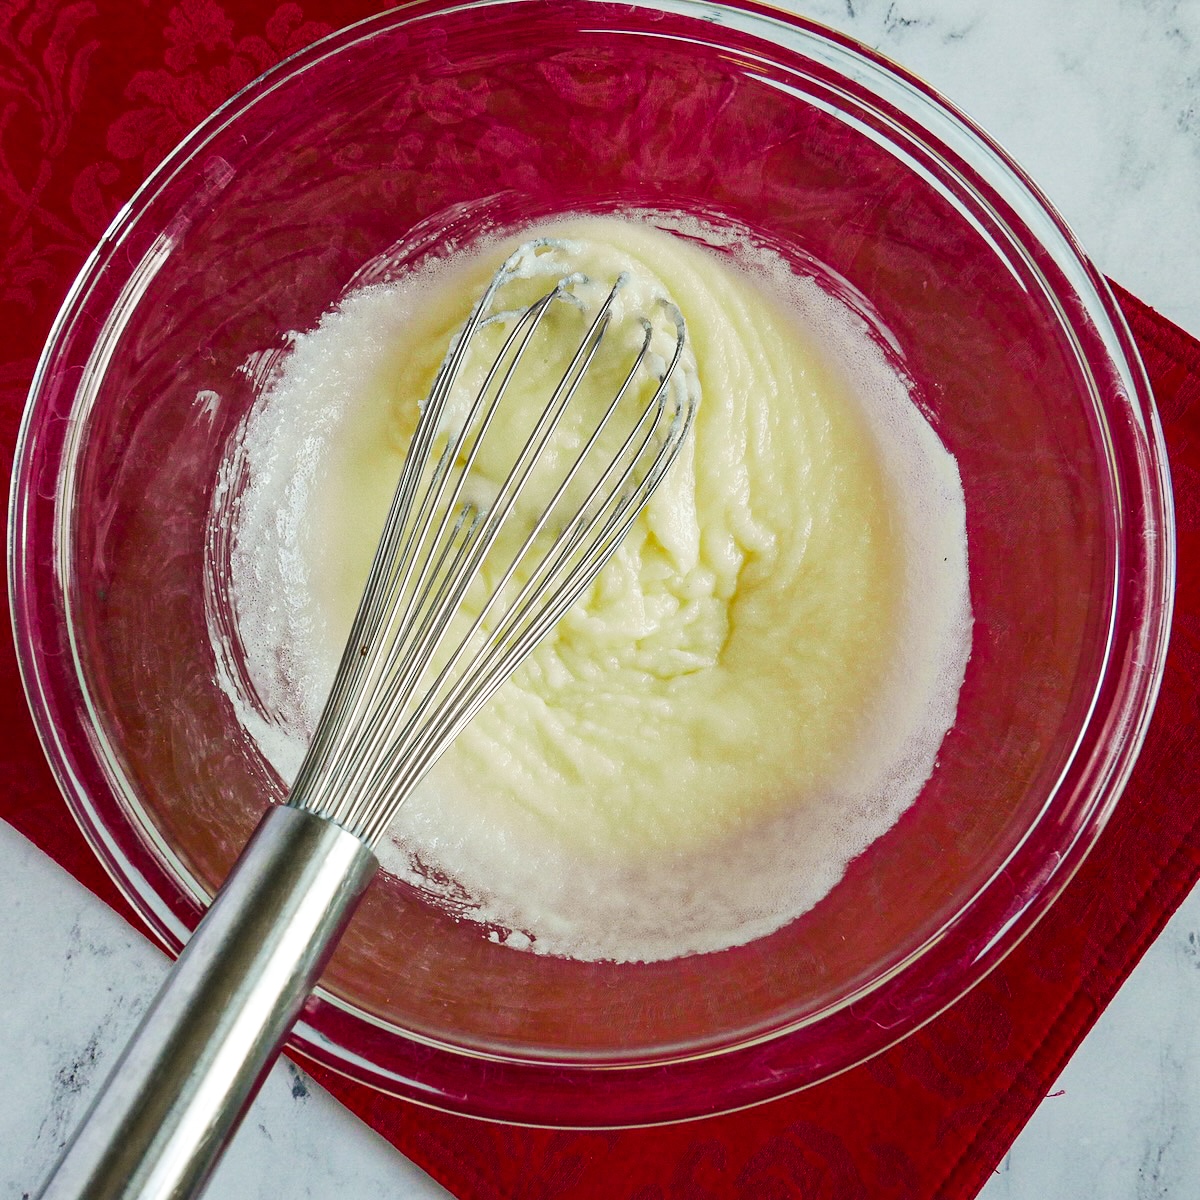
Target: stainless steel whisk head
{"x": 411, "y": 678}
{"x": 524, "y": 541}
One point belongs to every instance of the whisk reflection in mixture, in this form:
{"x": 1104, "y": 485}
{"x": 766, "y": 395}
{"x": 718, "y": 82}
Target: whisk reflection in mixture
{"x": 522, "y": 532}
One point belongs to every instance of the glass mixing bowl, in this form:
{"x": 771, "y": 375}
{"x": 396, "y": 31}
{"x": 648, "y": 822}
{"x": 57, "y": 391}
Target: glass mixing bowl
{"x": 438, "y": 116}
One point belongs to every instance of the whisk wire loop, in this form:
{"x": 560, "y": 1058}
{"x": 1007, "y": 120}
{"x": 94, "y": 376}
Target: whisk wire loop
{"x": 408, "y": 645}
{"x": 412, "y": 676}
{"x": 537, "y": 443}
{"x": 387, "y": 565}
{"x": 502, "y": 658}
{"x": 433, "y": 622}
{"x": 543, "y": 597}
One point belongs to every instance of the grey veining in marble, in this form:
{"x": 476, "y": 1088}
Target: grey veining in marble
{"x": 1122, "y": 1122}
{"x": 78, "y": 979}
{"x": 1099, "y": 100}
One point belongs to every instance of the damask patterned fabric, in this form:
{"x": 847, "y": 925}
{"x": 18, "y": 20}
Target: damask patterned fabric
{"x": 93, "y": 93}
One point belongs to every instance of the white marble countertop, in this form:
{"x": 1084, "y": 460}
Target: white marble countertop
{"x": 1100, "y": 102}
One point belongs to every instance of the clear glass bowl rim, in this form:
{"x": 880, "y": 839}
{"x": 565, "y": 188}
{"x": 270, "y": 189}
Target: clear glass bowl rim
{"x": 675, "y": 1088}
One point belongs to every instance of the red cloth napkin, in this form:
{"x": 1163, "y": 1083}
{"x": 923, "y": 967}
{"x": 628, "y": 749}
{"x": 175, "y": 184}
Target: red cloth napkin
{"x": 92, "y": 94}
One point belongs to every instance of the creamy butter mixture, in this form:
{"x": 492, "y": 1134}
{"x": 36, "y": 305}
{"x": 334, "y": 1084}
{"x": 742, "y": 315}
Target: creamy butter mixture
{"x": 754, "y": 689}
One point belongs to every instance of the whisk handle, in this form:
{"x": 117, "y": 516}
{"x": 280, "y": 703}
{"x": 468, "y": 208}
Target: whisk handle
{"x": 207, "y": 1041}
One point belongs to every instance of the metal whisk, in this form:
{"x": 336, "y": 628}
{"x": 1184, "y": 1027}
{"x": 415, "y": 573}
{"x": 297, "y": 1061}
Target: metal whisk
{"x": 468, "y": 578}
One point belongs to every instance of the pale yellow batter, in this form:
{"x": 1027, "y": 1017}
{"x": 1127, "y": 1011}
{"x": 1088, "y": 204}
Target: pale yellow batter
{"x": 728, "y": 652}
{"x": 774, "y": 653}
